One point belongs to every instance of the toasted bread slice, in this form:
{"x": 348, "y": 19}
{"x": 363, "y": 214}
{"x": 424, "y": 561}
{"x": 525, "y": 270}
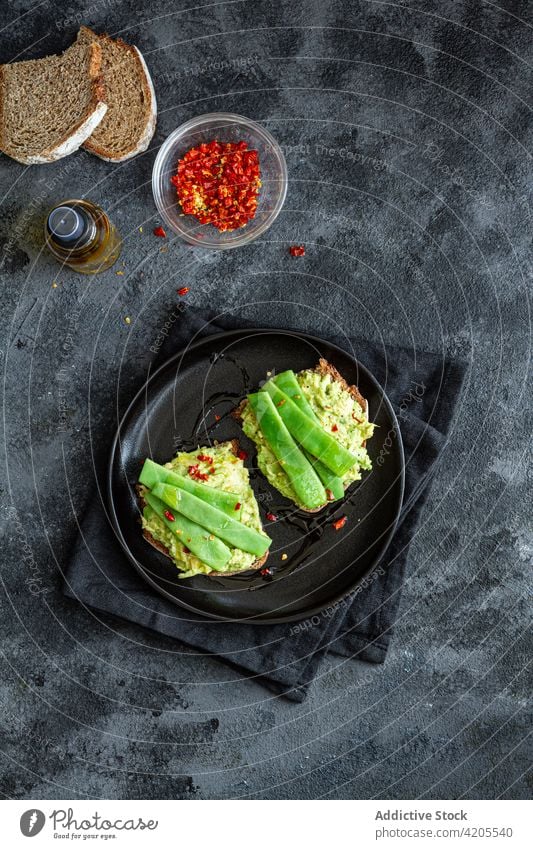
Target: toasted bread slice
{"x": 129, "y": 124}
{"x": 50, "y": 106}
{"x": 257, "y": 564}
{"x": 322, "y": 368}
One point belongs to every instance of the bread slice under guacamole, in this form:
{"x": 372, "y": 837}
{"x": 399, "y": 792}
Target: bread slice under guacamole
{"x": 230, "y": 475}
{"x": 337, "y": 405}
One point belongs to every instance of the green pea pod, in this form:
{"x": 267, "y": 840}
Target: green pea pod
{"x": 288, "y": 383}
{"x": 311, "y": 435}
{"x": 207, "y": 548}
{"x": 152, "y": 474}
{"x": 298, "y": 469}
{"x": 214, "y": 520}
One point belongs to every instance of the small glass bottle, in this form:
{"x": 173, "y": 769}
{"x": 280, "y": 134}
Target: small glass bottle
{"x": 80, "y": 235}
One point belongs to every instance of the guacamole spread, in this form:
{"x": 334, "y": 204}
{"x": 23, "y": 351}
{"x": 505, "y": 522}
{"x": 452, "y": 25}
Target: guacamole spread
{"x": 338, "y": 412}
{"x": 230, "y": 475}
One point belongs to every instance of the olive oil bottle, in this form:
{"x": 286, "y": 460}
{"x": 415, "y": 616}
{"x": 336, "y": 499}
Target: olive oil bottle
{"x": 80, "y": 235}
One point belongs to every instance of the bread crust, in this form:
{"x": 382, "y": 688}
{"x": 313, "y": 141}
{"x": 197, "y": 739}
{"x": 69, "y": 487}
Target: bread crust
{"x": 257, "y": 564}
{"x": 149, "y": 96}
{"x": 70, "y": 142}
{"x": 323, "y": 367}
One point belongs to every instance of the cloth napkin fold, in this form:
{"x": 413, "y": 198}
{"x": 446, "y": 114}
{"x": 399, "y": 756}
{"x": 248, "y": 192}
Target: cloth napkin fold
{"x": 424, "y": 389}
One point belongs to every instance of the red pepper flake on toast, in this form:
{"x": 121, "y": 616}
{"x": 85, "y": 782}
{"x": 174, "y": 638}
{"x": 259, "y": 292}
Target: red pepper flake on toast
{"x": 195, "y": 473}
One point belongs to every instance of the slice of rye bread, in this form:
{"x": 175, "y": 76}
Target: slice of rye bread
{"x": 50, "y": 106}
{"x": 129, "y": 124}
{"x": 164, "y": 550}
{"x": 323, "y": 367}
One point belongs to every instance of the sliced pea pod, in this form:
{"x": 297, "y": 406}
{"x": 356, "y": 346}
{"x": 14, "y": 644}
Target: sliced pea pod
{"x": 209, "y": 549}
{"x": 152, "y": 474}
{"x": 309, "y": 434}
{"x": 288, "y": 383}
{"x": 303, "y": 478}
{"x": 214, "y": 520}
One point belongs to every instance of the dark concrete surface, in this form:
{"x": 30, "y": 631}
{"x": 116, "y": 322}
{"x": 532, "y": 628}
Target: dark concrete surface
{"x": 406, "y": 128}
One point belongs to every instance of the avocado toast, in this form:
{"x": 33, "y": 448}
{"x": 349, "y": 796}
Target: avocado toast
{"x": 199, "y": 509}
{"x": 310, "y": 430}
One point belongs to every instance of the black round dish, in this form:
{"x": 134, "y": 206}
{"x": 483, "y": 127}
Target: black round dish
{"x": 188, "y": 403}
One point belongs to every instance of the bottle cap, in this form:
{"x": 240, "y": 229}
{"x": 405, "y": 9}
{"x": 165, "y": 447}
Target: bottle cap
{"x": 70, "y": 227}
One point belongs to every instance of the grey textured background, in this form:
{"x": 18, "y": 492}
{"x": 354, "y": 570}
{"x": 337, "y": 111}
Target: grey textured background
{"x": 420, "y": 235}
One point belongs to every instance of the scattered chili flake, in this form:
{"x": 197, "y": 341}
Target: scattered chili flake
{"x": 266, "y": 572}
{"x": 238, "y": 505}
{"x": 158, "y": 231}
{"x": 186, "y": 550}
{"x": 242, "y": 455}
{"x": 169, "y": 516}
{"x": 297, "y": 250}
{"x": 183, "y": 291}
{"x": 218, "y": 183}
{"x": 271, "y": 517}
{"x": 212, "y": 470}
{"x": 205, "y": 458}
{"x": 334, "y": 428}
{"x": 195, "y": 473}
{"x": 340, "y": 523}
{"x": 284, "y": 556}
{"x": 330, "y": 495}
{"x": 217, "y": 417}
{"x": 280, "y": 403}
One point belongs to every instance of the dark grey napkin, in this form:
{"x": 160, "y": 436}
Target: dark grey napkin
{"x": 424, "y": 389}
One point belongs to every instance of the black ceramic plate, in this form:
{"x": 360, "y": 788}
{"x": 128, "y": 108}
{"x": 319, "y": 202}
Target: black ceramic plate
{"x": 187, "y": 403}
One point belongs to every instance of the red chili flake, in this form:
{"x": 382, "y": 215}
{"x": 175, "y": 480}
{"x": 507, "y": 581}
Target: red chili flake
{"x": 205, "y": 458}
{"x": 242, "y": 455}
{"x": 335, "y": 428}
{"x": 183, "y": 291}
{"x": 297, "y": 250}
{"x": 330, "y": 495}
{"x": 238, "y": 505}
{"x": 195, "y": 473}
{"x": 340, "y": 523}
{"x": 271, "y": 517}
{"x": 218, "y": 183}
{"x": 169, "y": 516}
{"x": 158, "y": 231}
{"x": 266, "y": 572}
{"x": 186, "y": 550}
{"x": 212, "y": 470}
{"x": 217, "y": 417}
